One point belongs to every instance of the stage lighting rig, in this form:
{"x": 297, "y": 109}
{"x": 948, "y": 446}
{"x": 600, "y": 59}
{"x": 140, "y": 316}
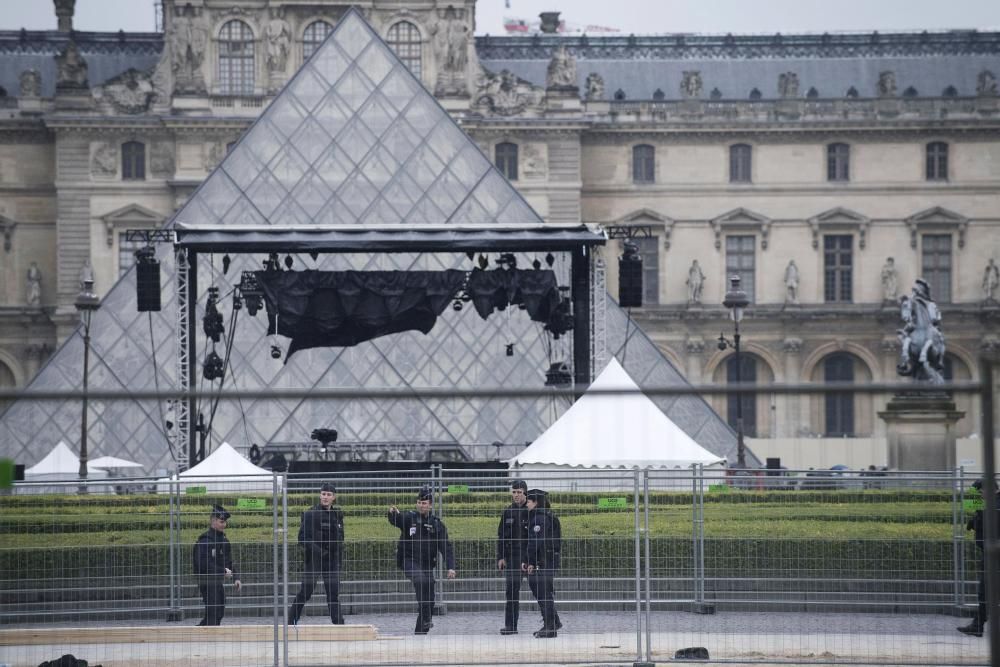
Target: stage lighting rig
{"x": 558, "y": 375}
{"x": 212, "y": 323}
{"x": 251, "y": 292}
{"x": 212, "y": 370}
{"x": 506, "y": 261}
{"x": 324, "y": 436}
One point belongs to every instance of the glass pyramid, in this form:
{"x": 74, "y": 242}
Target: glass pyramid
{"x": 353, "y": 139}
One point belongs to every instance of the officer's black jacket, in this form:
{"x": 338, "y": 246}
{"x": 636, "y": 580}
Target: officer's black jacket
{"x": 421, "y": 539}
{"x": 512, "y": 534}
{"x": 213, "y": 554}
{"x": 544, "y": 539}
{"x": 320, "y": 543}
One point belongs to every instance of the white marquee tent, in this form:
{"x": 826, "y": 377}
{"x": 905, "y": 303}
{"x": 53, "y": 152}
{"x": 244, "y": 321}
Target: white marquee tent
{"x": 59, "y": 465}
{"x": 620, "y": 431}
{"x": 224, "y": 470}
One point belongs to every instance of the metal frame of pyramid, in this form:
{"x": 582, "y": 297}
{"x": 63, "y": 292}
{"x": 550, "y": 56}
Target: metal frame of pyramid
{"x": 353, "y": 141}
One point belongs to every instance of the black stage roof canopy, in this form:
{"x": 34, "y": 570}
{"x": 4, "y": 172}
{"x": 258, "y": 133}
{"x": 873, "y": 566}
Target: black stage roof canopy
{"x": 394, "y": 238}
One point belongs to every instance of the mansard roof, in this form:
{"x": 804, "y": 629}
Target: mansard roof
{"x": 736, "y": 65}
{"x": 108, "y": 54}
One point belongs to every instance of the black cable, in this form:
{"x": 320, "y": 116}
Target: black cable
{"x": 628, "y": 321}
{"x": 225, "y": 367}
{"x": 156, "y": 383}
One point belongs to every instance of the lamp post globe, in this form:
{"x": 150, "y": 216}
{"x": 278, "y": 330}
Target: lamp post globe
{"x": 736, "y": 300}
{"x": 87, "y": 304}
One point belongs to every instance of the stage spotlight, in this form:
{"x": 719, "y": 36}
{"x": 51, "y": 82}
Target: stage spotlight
{"x": 456, "y": 305}
{"x": 276, "y": 352}
{"x": 558, "y": 375}
{"x": 213, "y": 367}
{"x": 549, "y": 259}
{"x": 536, "y": 265}
{"x": 288, "y": 262}
{"x": 314, "y": 255}
{"x": 251, "y": 292}
{"x": 510, "y": 349}
{"x": 226, "y": 261}
{"x": 212, "y": 322}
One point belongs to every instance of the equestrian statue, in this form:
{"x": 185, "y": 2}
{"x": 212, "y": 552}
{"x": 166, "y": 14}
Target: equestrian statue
{"x": 921, "y": 354}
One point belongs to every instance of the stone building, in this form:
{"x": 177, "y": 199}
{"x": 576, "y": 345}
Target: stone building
{"x": 828, "y": 171}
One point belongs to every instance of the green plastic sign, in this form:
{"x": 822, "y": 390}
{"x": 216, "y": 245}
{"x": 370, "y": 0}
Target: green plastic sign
{"x": 618, "y": 503}
{"x": 458, "y": 488}
{"x": 6, "y": 473}
{"x": 718, "y": 488}
{"x": 251, "y": 503}
{"x": 973, "y": 501}
{"x": 196, "y": 490}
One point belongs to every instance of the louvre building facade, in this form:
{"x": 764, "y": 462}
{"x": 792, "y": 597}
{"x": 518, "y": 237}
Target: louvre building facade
{"x": 827, "y": 171}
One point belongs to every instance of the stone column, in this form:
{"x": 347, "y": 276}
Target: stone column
{"x": 695, "y": 348}
{"x": 921, "y": 430}
{"x": 791, "y": 407}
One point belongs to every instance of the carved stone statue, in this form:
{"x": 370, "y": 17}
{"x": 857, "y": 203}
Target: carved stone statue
{"x": 104, "y": 161}
{"x": 791, "y": 283}
{"x": 691, "y": 85}
{"x": 31, "y": 83}
{"x": 986, "y": 84}
{"x": 451, "y": 46}
{"x": 161, "y": 160}
{"x": 991, "y": 280}
{"x": 561, "y": 74}
{"x": 695, "y": 283}
{"x": 788, "y": 85}
{"x": 890, "y": 280}
{"x": 595, "y": 87}
{"x": 130, "y": 92}
{"x": 34, "y": 295}
{"x": 922, "y": 349}
{"x": 187, "y": 38}
{"x": 887, "y": 84}
{"x": 535, "y": 164}
{"x": 279, "y": 37}
{"x": 72, "y": 68}
{"x": 506, "y": 95}
{"x": 86, "y": 275}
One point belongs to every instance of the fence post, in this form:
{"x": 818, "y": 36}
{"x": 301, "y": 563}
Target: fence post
{"x": 173, "y": 528}
{"x": 991, "y": 548}
{"x": 284, "y": 558}
{"x": 649, "y": 556}
{"x": 958, "y": 536}
{"x": 698, "y": 511}
{"x": 637, "y": 533}
{"x": 274, "y": 560}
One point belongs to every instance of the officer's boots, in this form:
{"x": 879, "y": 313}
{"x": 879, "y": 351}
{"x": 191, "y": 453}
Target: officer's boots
{"x": 975, "y": 628}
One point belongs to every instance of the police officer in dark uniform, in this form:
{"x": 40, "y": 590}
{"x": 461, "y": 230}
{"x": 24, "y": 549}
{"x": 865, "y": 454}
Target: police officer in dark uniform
{"x": 541, "y": 559}
{"x": 213, "y": 564}
{"x": 322, "y": 536}
{"x": 512, "y": 541}
{"x": 422, "y": 536}
{"x": 977, "y": 525}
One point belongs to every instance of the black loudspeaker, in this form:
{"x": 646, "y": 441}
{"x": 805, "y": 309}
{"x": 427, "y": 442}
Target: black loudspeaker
{"x": 773, "y": 466}
{"x": 147, "y": 284}
{"x": 630, "y": 277}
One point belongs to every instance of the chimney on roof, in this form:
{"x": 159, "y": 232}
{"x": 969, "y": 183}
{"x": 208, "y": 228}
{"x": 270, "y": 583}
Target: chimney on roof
{"x": 64, "y": 14}
{"x": 550, "y": 22}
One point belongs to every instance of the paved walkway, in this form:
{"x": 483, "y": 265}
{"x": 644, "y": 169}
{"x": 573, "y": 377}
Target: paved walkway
{"x": 587, "y": 638}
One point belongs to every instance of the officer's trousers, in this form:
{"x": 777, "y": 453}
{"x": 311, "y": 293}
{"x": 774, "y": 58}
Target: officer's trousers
{"x": 315, "y": 568}
{"x": 513, "y": 576}
{"x": 422, "y": 579}
{"x": 214, "y": 597}
{"x": 542, "y": 586}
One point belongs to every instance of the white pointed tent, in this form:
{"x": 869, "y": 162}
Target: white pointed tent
{"x": 620, "y": 429}
{"x": 224, "y": 471}
{"x": 58, "y": 465}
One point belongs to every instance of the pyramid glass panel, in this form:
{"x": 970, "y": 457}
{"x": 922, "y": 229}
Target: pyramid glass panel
{"x": 354, "y": 136}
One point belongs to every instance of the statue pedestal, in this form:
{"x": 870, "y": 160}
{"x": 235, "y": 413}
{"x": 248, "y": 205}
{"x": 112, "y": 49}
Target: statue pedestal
{"x": 921, "y": 430}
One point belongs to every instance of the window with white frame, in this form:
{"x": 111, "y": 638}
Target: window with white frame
{"x": 236, "y": 59}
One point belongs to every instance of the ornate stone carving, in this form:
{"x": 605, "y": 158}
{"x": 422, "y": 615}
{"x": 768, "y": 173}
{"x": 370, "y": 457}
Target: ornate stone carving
{"x": 991, "y": 281}
{"x": 691, "y": 85}
{"x": 921, "y": 343}
{"x": 890, "y": 280}
{"x": 694, "y": 345}
{"x": 561, "y": 73}
{"x": 278, "y": 36}
{"x": 31, "y": 83}
{"x": 788, "y": 85}
{"x": 131, "y": 92}
{"x": 695, "y": 283}
{"x": 104, "y": 160}
{"x": 535, "y": 164}
{"x": 187, "y": 38}
{"x": 72, "y": 68}
{"x": 214, "y": 153}
{"x": 887, "y": 84}
{"x": 7, "y": 228}
{"x": 986, "y": 84}
{"x": 792, "y": 345}
{"x": 595, "y": 87}
{"x": 506, "y": 95}
{"x": 791, "y": 283}
{"x": 161, "y": 159}
{"x": 34, "y": 291}
{"x": 64, "y": 14}
{"x": 451, "y": 36}
{"x": 990, "y": 344}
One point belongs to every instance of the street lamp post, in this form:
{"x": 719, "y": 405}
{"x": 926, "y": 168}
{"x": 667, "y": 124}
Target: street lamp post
{"x": 736, "y": 300}
{"x": 87, "y": 303}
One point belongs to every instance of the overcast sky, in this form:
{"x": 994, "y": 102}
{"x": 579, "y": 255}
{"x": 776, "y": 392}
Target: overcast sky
{"x": 630, "y": 16}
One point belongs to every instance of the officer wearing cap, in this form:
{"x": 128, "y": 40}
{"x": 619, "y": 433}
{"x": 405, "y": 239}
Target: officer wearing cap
{"x": 422, "y": 536}
{"x": 977, "y": 524}
{"x": 541, "y": 559}
{"x": 213, "y": 564}
{"x": 322, "y": 537}
{"x": 512, "y": 541}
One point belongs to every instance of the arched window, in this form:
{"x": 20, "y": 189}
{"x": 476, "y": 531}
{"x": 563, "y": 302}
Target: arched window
{"x": 506, "y": 159}
{"x": 739, "y": 163}
{"x": 313, "y": 36}
{"x": 838, "y": 162}
{"x": 236, "y": 59}
{"x": 6, "y": 382}
{"x": 133, "y": 161}
{"x": 839, "y": 406}
{"x": 747, "y": 374}
{"x": 643, "y": 164}
{"x": 404, "y": 38}
{"x": 937, "y": 161}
